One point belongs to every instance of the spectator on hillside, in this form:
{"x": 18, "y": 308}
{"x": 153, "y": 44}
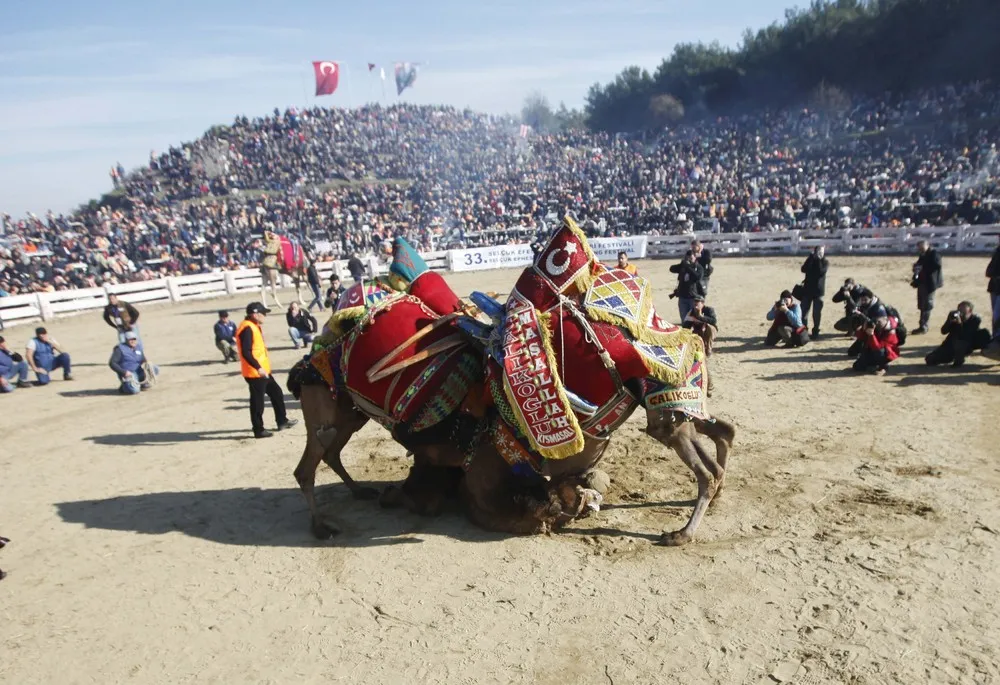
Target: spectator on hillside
{"x": 704, "y": 258}
{"x": 121, "y": 316}
{"x": 225, "y": 337}
{"x": 787, "y": 327}
{"x": 44, "y": 355}
{"x": 880, "y": 347}
{"x": 963, "y": 336}
{"x": 690, "y": 283}
{"x": 13, "y": 369}
{"x": 334, "y": 292}
{"x": 625, "y": 265}
{"x": 129, "y": 361}
{"x": 927, "y": 280}
{"x": 301, "y": 325}
{"x": 814, "y": 287}
{"x": 993, "y": 288}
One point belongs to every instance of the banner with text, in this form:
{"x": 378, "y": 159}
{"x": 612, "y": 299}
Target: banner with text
{"x": 515, "y": 256}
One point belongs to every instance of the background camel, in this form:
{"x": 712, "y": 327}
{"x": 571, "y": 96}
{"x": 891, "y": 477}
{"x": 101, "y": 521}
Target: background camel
{"x": 275, "y": 263}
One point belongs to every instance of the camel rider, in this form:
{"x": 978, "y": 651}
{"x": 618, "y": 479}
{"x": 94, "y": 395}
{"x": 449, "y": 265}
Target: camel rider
{"x": 255, "y": 364}
{"x": 129, "y": 362}
{"x": 625, "y": 265}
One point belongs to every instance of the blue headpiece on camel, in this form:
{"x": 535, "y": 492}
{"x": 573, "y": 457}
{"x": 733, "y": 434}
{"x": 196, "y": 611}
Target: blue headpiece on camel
{"x": 407, "y": 263}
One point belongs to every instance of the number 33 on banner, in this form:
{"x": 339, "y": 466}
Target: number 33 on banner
{"x": 471, "y": 259}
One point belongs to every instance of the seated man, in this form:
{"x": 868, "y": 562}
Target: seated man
{"x": 964, "y": 335}
{"x": 849, "y": 294}
{"x": 703, "y": 321}
{"x": 788, "y": 327}
{"x": 44, "y": 356}
{"x": 225, "y": 337}
{"x": 12, "y": 366}
{"x": 302, "y": 325}
{"x": 129, "y": 362}
{"x": 880, "y": 347}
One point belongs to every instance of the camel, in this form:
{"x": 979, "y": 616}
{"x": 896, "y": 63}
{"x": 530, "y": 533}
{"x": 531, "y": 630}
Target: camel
{"x": 274, "y": 264}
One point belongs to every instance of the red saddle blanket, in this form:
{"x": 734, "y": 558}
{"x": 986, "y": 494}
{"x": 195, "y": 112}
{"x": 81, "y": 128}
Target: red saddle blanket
{"x": 291, "y": 256}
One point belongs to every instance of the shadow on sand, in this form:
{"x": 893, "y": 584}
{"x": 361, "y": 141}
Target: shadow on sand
{"x": 261, "y": 517}
{"x": 165, "y": 438}
{"x": 94, "y": 392}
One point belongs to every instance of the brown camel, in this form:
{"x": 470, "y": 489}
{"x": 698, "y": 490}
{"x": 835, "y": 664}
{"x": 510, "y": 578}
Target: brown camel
{"x": 274, "y": 265}
{"x": 495, "y": 498}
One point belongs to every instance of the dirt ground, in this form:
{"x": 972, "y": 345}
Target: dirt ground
{"x": 858, "y": 540}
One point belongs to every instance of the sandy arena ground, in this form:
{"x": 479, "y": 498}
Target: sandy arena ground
{"x": 858, "y": 540}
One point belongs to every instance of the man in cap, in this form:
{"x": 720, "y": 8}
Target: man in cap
{"x": 255, "y": 365}
{"x": 44, "y": 356}
{"x": 129, "y": 361}
{"x": 225, "y": 337}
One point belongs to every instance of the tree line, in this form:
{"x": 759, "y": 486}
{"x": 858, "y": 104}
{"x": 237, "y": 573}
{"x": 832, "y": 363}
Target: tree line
{"x": 815, "y": 54}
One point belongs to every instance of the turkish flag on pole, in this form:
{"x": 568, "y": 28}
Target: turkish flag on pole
{"x": 327, "y": 77}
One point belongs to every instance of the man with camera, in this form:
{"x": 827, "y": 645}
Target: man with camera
{"x": 787, "y": 327}
{"x": 690, "y": 283}
{"x": 704, "y": 258}
{"x": 964, "y": 335}
{"x": 849, "y": 294}
{"x": 703, "y": 321}
{"x": 880, "y": 346}
{"x": 927, "y": 279}
{"x": 814, "y": 287}
{"x": 870, "y": 309}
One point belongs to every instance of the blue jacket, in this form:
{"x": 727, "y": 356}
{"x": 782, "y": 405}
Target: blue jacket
{"x": 6, "y": 363}
{"x": 225, "y": 331}
{"x": 794, "y": 315}
{"x": 124, "y": 358}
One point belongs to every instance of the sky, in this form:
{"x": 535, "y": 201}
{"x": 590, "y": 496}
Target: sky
{"x": 85, "y": 85}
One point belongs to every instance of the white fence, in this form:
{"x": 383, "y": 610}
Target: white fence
{"x": 870, "y": 241}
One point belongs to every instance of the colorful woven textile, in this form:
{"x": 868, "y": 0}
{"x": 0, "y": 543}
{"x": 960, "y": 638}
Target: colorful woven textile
{"x": 449, "y": 395}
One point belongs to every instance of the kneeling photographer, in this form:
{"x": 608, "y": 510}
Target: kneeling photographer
{"x": 964, "y": 335}
{"x": 788, "y": 326}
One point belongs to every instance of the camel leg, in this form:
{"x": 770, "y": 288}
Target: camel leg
{"x": 680, "y": 438}
{"x": 273, "y": 278}
{"x": 722, "y": 434}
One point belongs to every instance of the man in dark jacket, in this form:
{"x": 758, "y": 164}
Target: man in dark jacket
{"x": 964, "y": 335}
{"x": 927, "y": 279}
{"x": 703, "y": 321}
{"x": 301, "y": 325}
{"x": 704, "y": 258}
{"x": 334, "y": 292}
{"x": 315, "y": 285}
{"x": 121, "y": 316}
{"x": 225, "y": 337}
{"x": 849, "y": 294}
{"x": 356, "y": 267}
{"x": 690, "y": 275}
{"x": 993, "y": 288}
{"x": 814, "y": 287}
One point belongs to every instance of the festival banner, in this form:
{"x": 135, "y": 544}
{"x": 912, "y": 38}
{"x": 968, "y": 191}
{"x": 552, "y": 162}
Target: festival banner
{"x": 519, "y": 256}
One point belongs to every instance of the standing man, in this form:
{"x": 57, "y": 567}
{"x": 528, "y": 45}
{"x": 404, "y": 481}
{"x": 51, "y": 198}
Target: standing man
{"x": 121, "y": 316}
{"x": 44, "y": 357}
{"x": 334, "y": 292}
{"x": 255, "y": 365}
{"x": 703, "y": 257}
{"x": 927, "y": 279}
{"x": 356, "y": 267}
{"x": 225, "y": 337}
{"x": 814, "y": 287}
{"x": 625, "y": 266}
{"x": 993, "y": 288}
{"x": 315, "y": 285}
{"x": 12, "y": 366}
{"x": 690, "y": 283}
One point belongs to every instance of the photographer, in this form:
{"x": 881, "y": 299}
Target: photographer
{"x": 814, "y": 287}
{"x": 703, "y": 321}
{"x": 927, "y": 279}
{"x": 690, "y": 277}
{"x": 849, "y": 294}
{"x": 964, "y": 335}
{"x": 788, "y": 327}
{"x": 871, "y": 308}
{"x": 704, "y": 258}
{"x": 880, "y": 346}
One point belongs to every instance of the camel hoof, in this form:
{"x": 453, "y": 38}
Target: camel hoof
{"x": 674, "y": 538}
{"x": 364, "y": 493}
{"x": 321, "y": 531}
{"x": 599, "y": 481}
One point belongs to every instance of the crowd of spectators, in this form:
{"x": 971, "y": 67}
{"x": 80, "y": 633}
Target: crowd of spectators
{"x": 345, "y": 181}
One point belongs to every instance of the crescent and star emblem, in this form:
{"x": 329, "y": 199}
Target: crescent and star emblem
{"x": 560, "y": 269}
{"x": 327, "y": 68}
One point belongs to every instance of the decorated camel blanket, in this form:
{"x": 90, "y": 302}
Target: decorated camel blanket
{"x": 283, "y": 253}
{"x": 573, "y": 326}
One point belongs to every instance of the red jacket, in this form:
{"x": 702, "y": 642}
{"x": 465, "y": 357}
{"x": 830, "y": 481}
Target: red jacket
{"x": 885, "y": 341}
